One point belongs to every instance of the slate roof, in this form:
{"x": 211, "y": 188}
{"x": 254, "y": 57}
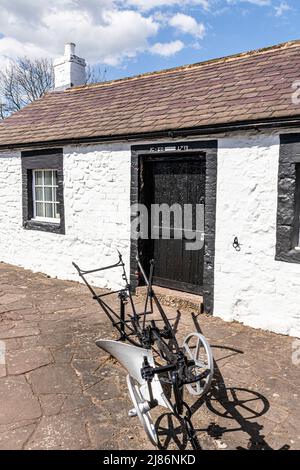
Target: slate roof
{"x": 247, "y": 87}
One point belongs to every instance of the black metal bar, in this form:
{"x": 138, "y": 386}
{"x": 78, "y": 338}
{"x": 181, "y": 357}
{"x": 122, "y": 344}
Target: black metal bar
{"x": 122, "y": 316}
{"x": 149, "y": 293}
{"x": 97, "y": 296}
{"x": 128, "y": 287}
{"x": 164, "y": 347}
{"x": 91, "y": 271}
{"x": 162, "y": 369}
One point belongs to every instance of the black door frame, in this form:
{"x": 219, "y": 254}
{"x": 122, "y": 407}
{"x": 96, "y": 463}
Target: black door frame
{"x": 188, "y": 148}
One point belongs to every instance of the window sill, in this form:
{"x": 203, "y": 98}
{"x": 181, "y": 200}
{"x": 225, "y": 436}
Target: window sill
{"x": 43, "y": 226}
{"x": 41, "y": 220}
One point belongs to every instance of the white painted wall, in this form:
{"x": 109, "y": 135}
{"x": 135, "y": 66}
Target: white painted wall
{"x": 97, "y": 215}
{"x": 250, "y": 286}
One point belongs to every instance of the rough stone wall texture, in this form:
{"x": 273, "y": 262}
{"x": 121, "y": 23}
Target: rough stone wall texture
{"x": 250, "y": 286}
{"x": 97, "y": 215}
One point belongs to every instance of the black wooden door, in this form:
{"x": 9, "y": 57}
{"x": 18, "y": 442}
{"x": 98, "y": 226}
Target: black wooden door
{"x": 173, "y": 180}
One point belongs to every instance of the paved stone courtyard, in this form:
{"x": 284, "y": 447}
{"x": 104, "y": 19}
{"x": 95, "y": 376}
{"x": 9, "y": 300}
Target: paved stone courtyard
{"x": 59, "y": 391}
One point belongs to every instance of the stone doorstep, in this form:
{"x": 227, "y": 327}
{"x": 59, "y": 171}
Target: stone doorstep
{"x": 173, "y": 298}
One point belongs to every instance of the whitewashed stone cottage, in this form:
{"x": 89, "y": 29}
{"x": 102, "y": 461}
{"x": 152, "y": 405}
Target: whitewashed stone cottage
{"x": 225, "y": 131}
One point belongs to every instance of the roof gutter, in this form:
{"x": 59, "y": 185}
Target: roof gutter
{"x": 169, "y": 134}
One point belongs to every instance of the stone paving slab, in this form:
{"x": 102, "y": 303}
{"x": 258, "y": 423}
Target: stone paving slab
{"x": 17, "y": 400}
{"x": 59, "y": 391}
{"x": 26, "y": 360}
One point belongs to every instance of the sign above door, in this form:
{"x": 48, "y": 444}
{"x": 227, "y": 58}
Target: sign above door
{"x": 169, "y": 148}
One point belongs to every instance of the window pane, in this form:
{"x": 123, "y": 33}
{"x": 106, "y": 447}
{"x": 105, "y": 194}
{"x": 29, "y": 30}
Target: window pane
{"x": 54, "y": 194}
{"x": 48, "y": 177}
{"x": 39, "y": 194}
{"x": 49, "y": 210}
{"x": 56, "y": 208}
{"x": 54, "y": 178}
{"x": 38, "y": 175}
{"x": 39, "y": 209}
{"x": 48, "y": 194}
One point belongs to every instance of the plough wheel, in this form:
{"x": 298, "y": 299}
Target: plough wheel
{"x": 197, "y": 348}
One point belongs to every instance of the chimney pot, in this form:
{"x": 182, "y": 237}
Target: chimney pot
{"x": 70, "y": 49}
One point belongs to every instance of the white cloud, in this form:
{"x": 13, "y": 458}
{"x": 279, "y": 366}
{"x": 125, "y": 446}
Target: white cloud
{"x": 188, "y": 25}
{"x": 167, "y": 49}
{"x": 11, "y": 48}
{"x": 103, "y": 33}
{"x": 261, "y": 3}
{"x": 282, "y": 9}
{"x": 150, "y": 4}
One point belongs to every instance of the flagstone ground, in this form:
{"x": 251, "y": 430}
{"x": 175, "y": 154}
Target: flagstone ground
{"x": 59, "y": 391}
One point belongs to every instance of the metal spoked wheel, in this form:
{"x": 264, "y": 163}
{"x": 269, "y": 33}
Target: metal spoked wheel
{"x": 141, "y": 409}
{"x": 198, "y": 349}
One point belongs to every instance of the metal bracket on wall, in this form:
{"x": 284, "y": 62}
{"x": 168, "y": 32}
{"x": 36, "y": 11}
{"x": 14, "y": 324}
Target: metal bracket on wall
{"x": 236, "y": 244}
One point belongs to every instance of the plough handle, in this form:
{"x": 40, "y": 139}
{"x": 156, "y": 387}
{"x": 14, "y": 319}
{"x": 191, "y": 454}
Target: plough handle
{"x": 82, "y": 272}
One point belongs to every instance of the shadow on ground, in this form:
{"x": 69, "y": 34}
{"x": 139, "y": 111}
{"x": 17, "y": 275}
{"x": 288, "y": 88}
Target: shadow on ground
{"x": 240, "y": 406}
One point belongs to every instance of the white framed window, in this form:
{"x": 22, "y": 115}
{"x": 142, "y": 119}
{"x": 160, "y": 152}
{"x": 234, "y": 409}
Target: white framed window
{"x": 45, "y": 203}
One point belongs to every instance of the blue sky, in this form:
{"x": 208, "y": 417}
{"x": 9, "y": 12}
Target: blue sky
{"x": 128, "y": 37}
